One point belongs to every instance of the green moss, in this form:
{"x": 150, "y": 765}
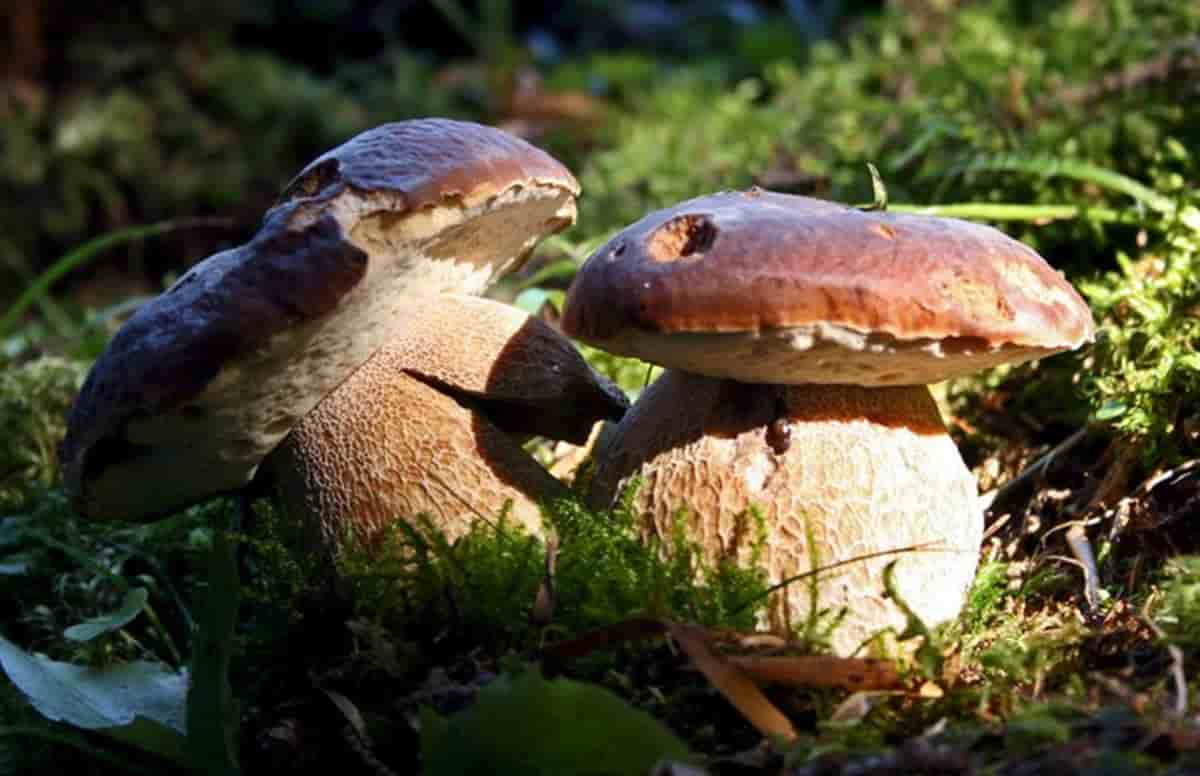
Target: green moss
{"x": 485, "y": 583}
{"x": 34, "y": 399}
{"x": 1178, "y": 609}
{"x": 1145, "y": 373}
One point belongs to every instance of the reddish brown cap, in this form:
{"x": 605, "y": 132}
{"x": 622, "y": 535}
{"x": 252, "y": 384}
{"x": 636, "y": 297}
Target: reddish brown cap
{"x": 429, "y": 162}
{"x": 765, "y": 287}
{"x": 206, "y": 379}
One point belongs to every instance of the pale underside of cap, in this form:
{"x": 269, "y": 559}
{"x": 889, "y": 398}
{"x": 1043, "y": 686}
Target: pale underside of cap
{"x": 774, "y": 288}
{"x": 821, "y": 353}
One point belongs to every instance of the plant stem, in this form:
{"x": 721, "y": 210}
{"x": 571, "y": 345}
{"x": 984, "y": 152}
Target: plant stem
{"x": 1001, "y": 211}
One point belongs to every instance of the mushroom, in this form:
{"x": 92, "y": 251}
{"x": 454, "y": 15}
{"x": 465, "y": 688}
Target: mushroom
{"x": 800, "y": 336}
{"x": 204, "y": 381}
{"x": 433, "y": 422}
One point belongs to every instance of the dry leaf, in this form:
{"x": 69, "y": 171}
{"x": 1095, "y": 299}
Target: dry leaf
{"x": 821, "y": 671}
{"x": 733, "y": 683}
{"x": 633, "y": 629}
{"x": 930, "y": 690}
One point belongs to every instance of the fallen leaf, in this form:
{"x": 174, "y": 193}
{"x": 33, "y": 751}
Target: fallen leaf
{"x": 133, "y": 604}
{"x": 820, "y": 671}
{"x": 732, "y": 682}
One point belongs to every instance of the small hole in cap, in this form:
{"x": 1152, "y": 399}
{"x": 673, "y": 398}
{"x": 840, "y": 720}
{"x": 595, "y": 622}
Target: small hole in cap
{"x": 681, "y": 237}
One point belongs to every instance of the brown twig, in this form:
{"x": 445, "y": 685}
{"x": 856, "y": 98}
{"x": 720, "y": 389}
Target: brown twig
{"x": 1081, "y": 548}
{"x": 542, "y": 612}
{"x": 633, "y": 629}
{"x": 1006, "y": 492}
{"x": 1178, "y": 677}
{"x": 820, "y": 671}
{"x": 733, "y": 683}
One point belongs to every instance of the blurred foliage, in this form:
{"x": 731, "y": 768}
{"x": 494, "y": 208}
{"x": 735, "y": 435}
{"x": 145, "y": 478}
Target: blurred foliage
{"x": 921, "y": 94}
{"x": 492, "y": 736}
{"x": 155, "y": 110}
{"x": 165, "y": 115}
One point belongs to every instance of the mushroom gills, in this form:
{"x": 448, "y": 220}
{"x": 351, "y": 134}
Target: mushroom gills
{"x": 865, "y": 472}
{"x": 411, "y": 433}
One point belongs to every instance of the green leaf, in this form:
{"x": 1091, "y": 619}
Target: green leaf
{"x": 79, "y": 256}
{"x": 562, "y": 270}
{"x": 531, "y": 725}
{"x": 131, "y": 607}
{"x": 140, "y": 703}
{"x": 531, "y": 299}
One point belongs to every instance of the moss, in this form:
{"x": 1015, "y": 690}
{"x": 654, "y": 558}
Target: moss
{"x": 34, "y": 399}
{"x": 479, "y": 590}
{"x": 1178, "y": 604}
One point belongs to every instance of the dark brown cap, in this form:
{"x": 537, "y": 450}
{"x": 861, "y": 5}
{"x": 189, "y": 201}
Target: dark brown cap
{"x": 765, "y": 287}
{"x": 206, "y": 379}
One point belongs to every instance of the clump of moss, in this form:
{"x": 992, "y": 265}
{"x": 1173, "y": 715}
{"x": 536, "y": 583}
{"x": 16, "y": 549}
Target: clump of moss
{"x": 1178, "y": 612}
{"x": 34, "y": 399}
{"x": 485, "y": 583}
{"x": 1144, "y": 378}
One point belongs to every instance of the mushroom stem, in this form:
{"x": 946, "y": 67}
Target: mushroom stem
{"x": 855, "y": 471}
{"x": 432, "y": 425}
{"x": 348, "y": 473}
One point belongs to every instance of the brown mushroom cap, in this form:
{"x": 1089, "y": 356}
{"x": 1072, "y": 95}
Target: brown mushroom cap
{"x": 423, "y": 427}
{"x": 775, "y": 288}
{"x": 206, "y": 379}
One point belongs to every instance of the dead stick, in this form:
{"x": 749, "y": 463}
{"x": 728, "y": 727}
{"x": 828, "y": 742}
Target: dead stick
{"x": 820, "y": 671}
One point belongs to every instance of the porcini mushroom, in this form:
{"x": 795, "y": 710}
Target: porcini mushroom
{"x": 432, "y": 424}
{"x": 204, "y": 381}
{"x": 800, "y": 336}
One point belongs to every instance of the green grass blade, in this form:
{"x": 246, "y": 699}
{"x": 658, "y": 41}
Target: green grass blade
{"x": 81, "y": 255}
{"x": 1002, "y": 211}
{"x": 1050, "y": 167}
{"x": 211, "y": 710}
{"x": 458, "y": 18}
{"x": 58, "y": 318}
